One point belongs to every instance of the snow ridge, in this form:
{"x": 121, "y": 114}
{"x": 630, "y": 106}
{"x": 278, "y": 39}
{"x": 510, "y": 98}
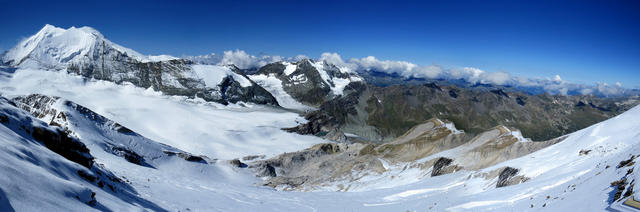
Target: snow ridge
{"x": 56, "y": 48}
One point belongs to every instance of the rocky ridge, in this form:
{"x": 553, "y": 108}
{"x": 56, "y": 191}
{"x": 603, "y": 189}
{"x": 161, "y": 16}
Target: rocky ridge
{"x": 380, "y": 114}
{"x": 86, "y": 52}
{"x": 307, "y": 81}
{"x": 434, "y": 148}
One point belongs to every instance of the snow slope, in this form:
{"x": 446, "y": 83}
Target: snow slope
{"x": 562, "y": 178}
{"x": 198, "y": 127}
{"x": 274, "y": 85}
{"x": 290, "y": 83}
{"x": 36, "y": 179}
{"x": 213, "y": 75}
{"x": 337, "y": 83}
{"x": 54, "y": 47}
{"x": 86, "y": 52}
{"x": 572, "y": 181}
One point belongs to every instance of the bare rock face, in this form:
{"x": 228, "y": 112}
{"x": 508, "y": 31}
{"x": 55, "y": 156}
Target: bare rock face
{"x": 443, "y": 166}
{"x": 264, "y": 170}
{"x": 388, "y": 112}
{"x": 253, "y": 157}
{"x": 237, "y": 163}
{"x": 344, "y": 163}
{"x": 310, "y": 82}
{"x": 422, "y": 140}
{"x": 322, "y": 123}
{"x": 289, "y": 163}
{"x": 315, "y": 165}
{"x": 187, "y": 156}
{"x": 53, "y": 138}
{"x": 508, "y": 176}
{"x": 62, "y": 143}
{"x": 311, "y": 91}
{"x": 128, "y": 155}
{"x": 43, "y": 107}
{"x": 174, "y": 77}
{"x": 59, "y": 112}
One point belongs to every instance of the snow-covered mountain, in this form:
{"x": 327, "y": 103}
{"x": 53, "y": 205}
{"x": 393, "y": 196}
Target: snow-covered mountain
{"x": 86, "y": 52}
{"x": 304, "y": 83}
{"x": 56, "y": 48}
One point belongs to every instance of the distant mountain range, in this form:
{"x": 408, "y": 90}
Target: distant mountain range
{"x": 374, "y": 105}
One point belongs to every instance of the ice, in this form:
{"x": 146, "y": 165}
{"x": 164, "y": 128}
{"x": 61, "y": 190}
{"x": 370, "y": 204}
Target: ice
{"x": 274, "y": 86}
{"x": 289, "y": 68}
{"x": 209, "y": 129}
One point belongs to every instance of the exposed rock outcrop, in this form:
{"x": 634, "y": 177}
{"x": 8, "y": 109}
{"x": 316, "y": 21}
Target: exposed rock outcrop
{"x": 53, "y": 138}
{"x": 340, "y": 164}
{"x": 188, "y": 157}
{"x": 61, "y": 143}
{"x": 443, "y": 166}
{"x": 237, "y": 163}
{"x": 381, "y": 114}
{"x": 310, "y": 82}
{"x": 508, "y": 176}
{"x": 59, "y": 112}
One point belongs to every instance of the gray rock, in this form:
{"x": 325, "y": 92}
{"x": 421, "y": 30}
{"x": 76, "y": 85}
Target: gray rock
{"x": 237, "y": 163}
{"x": 508, "y": 176}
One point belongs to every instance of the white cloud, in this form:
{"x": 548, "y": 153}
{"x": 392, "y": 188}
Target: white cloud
{"x": 469, "y": 74}
{"x": 556, "y": 85}
{"x": 239, "y": 58}
{"x": 428, "y": 71}
{"x": 336, "y": 59}
{"x": 300, "y": 57}
{"x": 243, "y": 60}
{"x": 475, "y": 75}
{"x": 332, "y": 58}
{"x": 557, "y": 78}
{"x": 524, "y": 81}
{"x": 372, "y": 63}
{"x": 563, "y": 91}
{"x": 586, "y": 91}
{"x": 497, "y": 78}
{"x": 605, "y": 89}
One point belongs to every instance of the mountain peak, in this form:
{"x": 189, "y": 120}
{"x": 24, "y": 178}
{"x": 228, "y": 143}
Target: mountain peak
{"x": 49, "y": 28}
{"x": 55, "y": 47}
{"x": 305, "y": 60}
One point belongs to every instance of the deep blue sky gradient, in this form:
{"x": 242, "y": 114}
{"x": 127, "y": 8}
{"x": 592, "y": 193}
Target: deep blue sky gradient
{"x": 582, "y": 41}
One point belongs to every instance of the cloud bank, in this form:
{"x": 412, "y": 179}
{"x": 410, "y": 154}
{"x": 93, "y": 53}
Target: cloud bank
{"x": 472, "y": 75}
{"x": 554, "y": 85}
{"x": 239, "y": 58}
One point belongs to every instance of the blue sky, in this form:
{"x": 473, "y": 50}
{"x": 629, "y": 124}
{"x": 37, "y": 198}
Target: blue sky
{"x": 582, "y": 41}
